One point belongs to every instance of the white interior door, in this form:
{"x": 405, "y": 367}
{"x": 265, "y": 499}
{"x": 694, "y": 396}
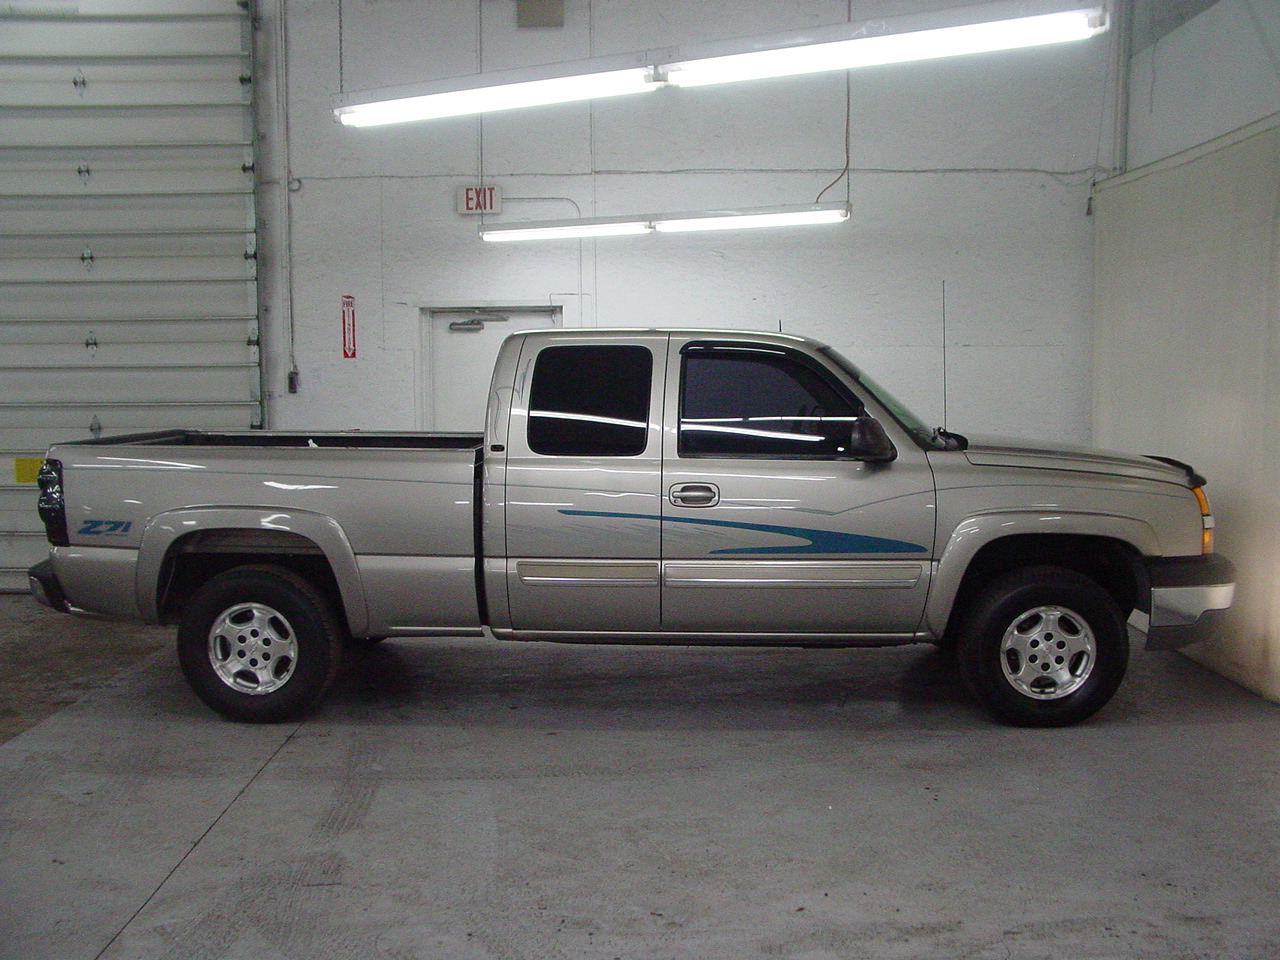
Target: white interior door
{"x": 459, "y": 348}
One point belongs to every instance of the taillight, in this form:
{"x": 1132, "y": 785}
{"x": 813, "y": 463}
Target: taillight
{"x": 1206, "y": 520}
{"x": 52, "y": 506}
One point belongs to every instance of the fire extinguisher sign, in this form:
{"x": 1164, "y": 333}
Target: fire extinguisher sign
{"x": 349, "y": 327}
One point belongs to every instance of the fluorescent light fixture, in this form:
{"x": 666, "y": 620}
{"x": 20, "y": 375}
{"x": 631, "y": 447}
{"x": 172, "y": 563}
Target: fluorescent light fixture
{"x": 807, "y": 216}
{"x": 501, "y": 96}
{"x": 1004, "y": 25}
{"x": 816, "y": 213}
{"x": 565, "y": 230}
{"x": 870, "y": 51}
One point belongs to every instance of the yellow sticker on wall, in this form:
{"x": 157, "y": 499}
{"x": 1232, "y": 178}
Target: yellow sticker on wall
{"x": 26, "y": 469}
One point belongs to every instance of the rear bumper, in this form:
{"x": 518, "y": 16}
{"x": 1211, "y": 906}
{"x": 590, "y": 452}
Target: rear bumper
{"x": 1189, "y": 597}
{"x": 46, "y": 588}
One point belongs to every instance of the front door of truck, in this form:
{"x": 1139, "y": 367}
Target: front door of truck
{"x": 769, "y": 529}
{"x": 583, "y": 485}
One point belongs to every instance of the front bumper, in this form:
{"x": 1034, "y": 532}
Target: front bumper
{"x": 46, "y": 588}
{"x": 1189, "y": 597}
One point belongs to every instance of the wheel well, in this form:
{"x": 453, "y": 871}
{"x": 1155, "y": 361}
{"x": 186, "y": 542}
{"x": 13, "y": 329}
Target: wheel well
{"x": 196, "y": 558}
{"x": 1113, "y": 564}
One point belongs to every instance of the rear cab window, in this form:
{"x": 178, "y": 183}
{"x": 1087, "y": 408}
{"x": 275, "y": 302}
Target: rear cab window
{"x": 590, "y": 400}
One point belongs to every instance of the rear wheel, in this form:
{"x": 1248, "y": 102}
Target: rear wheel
{"x": 259, "y": 644}
{"x": 1043, "y": 647}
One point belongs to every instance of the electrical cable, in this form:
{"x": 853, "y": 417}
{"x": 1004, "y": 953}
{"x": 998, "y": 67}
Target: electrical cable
{"x": 848, "y": 126}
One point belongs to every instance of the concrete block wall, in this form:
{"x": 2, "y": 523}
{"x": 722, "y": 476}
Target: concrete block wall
{"x": 969, "y": 174}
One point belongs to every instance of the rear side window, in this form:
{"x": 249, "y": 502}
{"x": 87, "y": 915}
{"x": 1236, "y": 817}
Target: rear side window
{"x": 590, "y": 401}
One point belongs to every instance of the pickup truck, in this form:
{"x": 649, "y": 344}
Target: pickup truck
{"x": 642, "y": 486}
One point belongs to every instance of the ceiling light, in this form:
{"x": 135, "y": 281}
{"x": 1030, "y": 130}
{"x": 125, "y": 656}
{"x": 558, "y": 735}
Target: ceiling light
{"x": 497, "y": 96}
{"x": 817, "y": 213}
{"x": 566, "y": 229}
{"x": 996, "y": 26}
{"x": 868, "y": 51}
{"x": 741, "y": 219}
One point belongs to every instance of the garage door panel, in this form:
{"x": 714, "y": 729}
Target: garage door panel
{"x": 18, "y": 507}
{"x": 83, "y": 301}
{"x": 128, "y": 298}
{"x": 230, "y": 245}
{"x": 99, "y": 160}
{"x": 118, "y": 37}
{"x": 58, "y": 178}
{"x": 153, "y": 127}
{"x": 93, "y": 267}
{"x": 33, "y": 426}
{"x": 172, "y": 384}
{"x": 201, "y": 333}
{"x": 92, "y": 216}
{"x": 90, "y": 84}
{"x": 18, "y": 552}
{"x": 62, "y": 91}
{"x": 91, "y": 356}
{"x": 155, "y": 8}
{"x": 96, "y": 354}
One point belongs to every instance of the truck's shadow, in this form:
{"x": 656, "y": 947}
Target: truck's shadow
{"x": 699, "y": 686}
{"x": 406, "y": 681}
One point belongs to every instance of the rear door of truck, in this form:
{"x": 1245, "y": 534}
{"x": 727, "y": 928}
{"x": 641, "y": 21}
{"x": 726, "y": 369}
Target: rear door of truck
{"x": 583, "y": 484}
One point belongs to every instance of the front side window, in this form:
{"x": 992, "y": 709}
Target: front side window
{"x": 590, "y": 401}
{"x": 754, "y": 403}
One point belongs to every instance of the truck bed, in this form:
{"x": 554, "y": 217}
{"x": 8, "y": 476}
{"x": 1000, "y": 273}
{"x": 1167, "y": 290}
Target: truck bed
{"x": 398, "y": 510}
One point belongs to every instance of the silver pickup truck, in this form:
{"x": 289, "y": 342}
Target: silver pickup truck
{"x": 651, "y": 486}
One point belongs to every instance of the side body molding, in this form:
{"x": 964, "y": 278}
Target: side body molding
{"x": 165, "y": 529}
{"x": 977, "y": 531}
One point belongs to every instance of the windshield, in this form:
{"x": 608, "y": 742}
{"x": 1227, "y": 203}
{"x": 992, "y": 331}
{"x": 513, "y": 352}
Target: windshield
{"x": 926, "y": 436}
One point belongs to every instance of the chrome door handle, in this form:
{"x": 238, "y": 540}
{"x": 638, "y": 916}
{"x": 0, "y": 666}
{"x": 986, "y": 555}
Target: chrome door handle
{"x": 695, "y": 495}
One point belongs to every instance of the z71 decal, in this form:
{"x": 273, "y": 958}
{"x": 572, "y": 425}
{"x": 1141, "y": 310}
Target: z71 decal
{"x": 104, "y": 528}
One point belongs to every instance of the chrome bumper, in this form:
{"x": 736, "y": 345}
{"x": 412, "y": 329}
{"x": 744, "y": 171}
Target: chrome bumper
{"x": 1189, "y": 596}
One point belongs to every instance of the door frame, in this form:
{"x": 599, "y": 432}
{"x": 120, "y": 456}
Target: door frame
{"x": 424, "y": 381}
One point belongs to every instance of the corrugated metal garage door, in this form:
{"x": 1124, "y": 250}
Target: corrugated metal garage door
{"x": 128, "y": 297}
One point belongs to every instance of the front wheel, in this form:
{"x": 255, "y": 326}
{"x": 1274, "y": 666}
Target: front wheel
{"x": 1043, "y": 647}
{"x": 259, "y": 644}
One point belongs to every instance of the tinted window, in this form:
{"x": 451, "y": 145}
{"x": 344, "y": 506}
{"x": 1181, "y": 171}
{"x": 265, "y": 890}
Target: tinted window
{"x": 590, "y": 401}
{"x": 743, "y": 403}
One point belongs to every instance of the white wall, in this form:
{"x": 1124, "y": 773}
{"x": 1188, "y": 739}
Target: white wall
{"x": 974, "y": 173}
{"x": 1214, "y": 74}
{"x": 1187, "y": 319}
{"x": 1188, "y": 359}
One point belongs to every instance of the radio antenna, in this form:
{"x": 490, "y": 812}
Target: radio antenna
{"x": 944, "y": 354}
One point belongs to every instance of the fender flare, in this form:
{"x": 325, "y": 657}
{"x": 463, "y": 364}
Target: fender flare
{"x": 980, "y": 530}
{"x": 164, "y": 530}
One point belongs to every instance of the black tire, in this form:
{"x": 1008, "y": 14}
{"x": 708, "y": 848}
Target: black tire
{"x": 1043, "y": 647}
{"x": 259, "y": 644}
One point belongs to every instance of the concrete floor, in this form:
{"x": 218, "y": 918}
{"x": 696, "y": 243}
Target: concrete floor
{"x": 467, "y": 800}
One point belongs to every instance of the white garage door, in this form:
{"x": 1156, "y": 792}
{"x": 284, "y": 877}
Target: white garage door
{"x": 128, "y": 298}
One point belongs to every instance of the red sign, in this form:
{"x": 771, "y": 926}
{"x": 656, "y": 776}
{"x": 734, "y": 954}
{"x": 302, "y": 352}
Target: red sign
{"x": 480, "y": 199}
{"x": 349, "y": 327}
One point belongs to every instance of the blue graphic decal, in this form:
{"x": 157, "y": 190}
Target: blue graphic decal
{"x": 104, "y": 528}
{"x": 816, "y": 541}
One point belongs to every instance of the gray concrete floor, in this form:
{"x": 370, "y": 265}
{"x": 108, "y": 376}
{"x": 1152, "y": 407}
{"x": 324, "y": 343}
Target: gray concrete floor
{"x": 474, "y": 800}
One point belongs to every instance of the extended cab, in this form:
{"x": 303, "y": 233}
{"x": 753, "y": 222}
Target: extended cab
{"x": 640, "y": 486}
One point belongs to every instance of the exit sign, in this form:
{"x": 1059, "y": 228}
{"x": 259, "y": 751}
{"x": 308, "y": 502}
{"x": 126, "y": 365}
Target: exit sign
{"x": 480, "y": 199}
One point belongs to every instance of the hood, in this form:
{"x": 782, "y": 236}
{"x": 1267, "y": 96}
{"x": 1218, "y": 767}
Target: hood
{"x": 988, "y": 451}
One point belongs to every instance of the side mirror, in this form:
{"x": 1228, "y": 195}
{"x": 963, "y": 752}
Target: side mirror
{"x": 869, "y": 443}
